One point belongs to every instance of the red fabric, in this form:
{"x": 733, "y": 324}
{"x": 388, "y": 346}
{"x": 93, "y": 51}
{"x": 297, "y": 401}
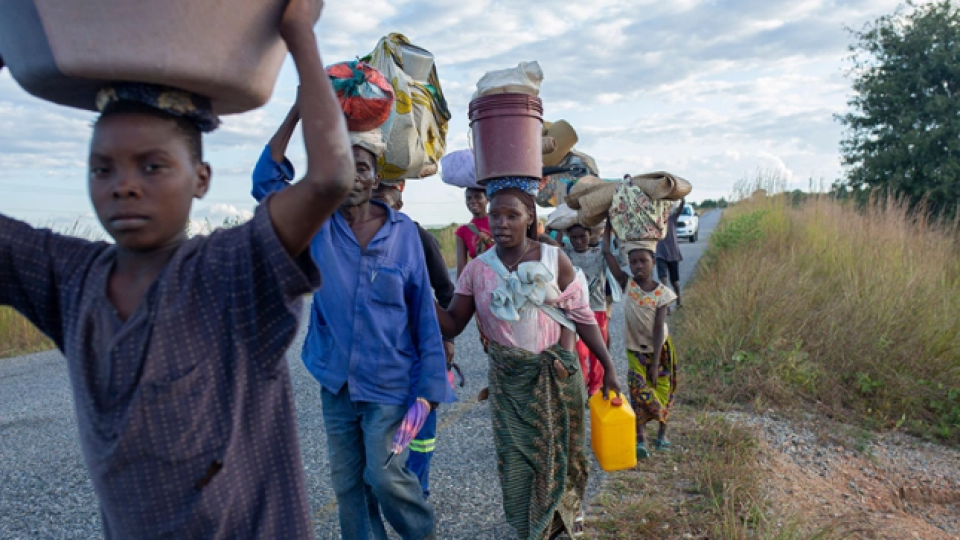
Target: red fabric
{"x": 589, "y": 364}
{"x": 368, "y": 100}
{"x": 469, "y": 239}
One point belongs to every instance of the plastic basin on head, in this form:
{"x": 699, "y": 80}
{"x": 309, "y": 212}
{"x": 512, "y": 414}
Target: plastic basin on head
{"x": 507, "y": 138}
{"x": 64, "y": 51}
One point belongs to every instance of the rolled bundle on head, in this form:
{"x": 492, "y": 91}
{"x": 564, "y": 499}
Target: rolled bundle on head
{"x": 593, "y": 197}
{"x": 583, "y": 186}
{"x": 662, "y": 185}
{"x": 365, "y": 95}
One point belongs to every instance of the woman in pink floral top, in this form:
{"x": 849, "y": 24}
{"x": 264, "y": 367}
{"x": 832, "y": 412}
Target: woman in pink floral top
{"x": 526, "y": 295}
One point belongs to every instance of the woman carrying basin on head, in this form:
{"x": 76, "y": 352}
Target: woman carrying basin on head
{"x": 524, "y": 293}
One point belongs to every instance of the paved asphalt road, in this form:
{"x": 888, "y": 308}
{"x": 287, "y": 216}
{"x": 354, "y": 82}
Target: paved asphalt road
{"x": 45, "y": 492}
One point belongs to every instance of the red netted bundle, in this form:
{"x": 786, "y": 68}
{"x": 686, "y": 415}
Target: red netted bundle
{"x": 365, "y": 95}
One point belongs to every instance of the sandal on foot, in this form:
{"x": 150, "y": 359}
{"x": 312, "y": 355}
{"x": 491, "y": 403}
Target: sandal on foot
{"x": 662, "y": 444}
{"x": 642, "y": 452}
{"x": 577, "y": 531}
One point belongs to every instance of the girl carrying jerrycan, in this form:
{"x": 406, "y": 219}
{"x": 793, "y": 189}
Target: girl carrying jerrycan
{"x": 652, "y": 375}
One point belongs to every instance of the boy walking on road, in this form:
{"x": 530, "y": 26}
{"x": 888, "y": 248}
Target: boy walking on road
{"x": 175, "y": 346}
{"x": 591, "y": 262}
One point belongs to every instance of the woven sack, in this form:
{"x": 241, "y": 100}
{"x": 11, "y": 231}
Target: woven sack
{"x": 635, "y": 216}
{"x": 681, "y": 190}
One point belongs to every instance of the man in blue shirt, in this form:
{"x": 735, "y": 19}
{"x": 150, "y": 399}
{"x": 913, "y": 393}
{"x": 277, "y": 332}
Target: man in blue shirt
{"x": 374, "y": 342}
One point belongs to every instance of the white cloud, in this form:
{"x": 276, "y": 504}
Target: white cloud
{"x": 710, "y": 89}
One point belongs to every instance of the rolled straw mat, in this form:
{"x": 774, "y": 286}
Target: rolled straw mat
{"x": 662, "y": 185}
{"x": 582, "y": 187}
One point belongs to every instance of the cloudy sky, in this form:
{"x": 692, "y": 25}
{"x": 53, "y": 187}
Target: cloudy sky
{"x": 711, "y": 90}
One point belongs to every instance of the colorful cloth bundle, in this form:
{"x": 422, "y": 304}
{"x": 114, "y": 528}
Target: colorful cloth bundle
{"x": 416, "y": 131}
{"x": 635, "y": 216}
{"x": 365, "y": 95}
{"x": 558, "y": 185}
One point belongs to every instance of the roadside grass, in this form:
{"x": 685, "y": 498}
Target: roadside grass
{"x": 817, "y": 305}
{"x": 707, "y": 486}
{"x": 448, "y": 243}
{"x": 18, "y": 336}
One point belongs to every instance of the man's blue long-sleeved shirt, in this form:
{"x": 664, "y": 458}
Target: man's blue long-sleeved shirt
{"x": 373, "y": 324}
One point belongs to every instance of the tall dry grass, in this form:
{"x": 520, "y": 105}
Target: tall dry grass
{"x": 18, "y": 336}
{"x": 448, "y": 243}
{"x": 855, "y": 313}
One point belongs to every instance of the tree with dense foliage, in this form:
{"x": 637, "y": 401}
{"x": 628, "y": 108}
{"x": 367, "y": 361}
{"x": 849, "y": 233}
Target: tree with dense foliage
{"x": 903, "y": 134}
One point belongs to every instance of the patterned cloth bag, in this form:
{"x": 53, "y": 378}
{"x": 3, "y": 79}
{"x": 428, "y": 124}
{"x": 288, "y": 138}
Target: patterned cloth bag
{"x": 635, "y": 216}
{"x": 416, "y": 132}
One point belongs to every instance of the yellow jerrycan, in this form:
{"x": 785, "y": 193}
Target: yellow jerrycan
{"x": 613, "y": 432}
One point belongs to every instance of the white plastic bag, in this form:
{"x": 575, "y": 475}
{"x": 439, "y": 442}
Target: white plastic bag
{"x": 523, "y": 79}
{"x": 562, "y": 218}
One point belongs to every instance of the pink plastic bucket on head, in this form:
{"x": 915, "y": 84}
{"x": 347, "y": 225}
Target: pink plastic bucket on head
{"x": 507, "y": 138}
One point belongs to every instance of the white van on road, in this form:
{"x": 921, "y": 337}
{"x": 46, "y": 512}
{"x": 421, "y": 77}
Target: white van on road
{"x": 688, "y": 224}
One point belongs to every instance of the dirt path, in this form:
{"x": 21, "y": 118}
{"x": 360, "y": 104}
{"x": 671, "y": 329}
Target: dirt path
{"x": 894, "y": 485}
